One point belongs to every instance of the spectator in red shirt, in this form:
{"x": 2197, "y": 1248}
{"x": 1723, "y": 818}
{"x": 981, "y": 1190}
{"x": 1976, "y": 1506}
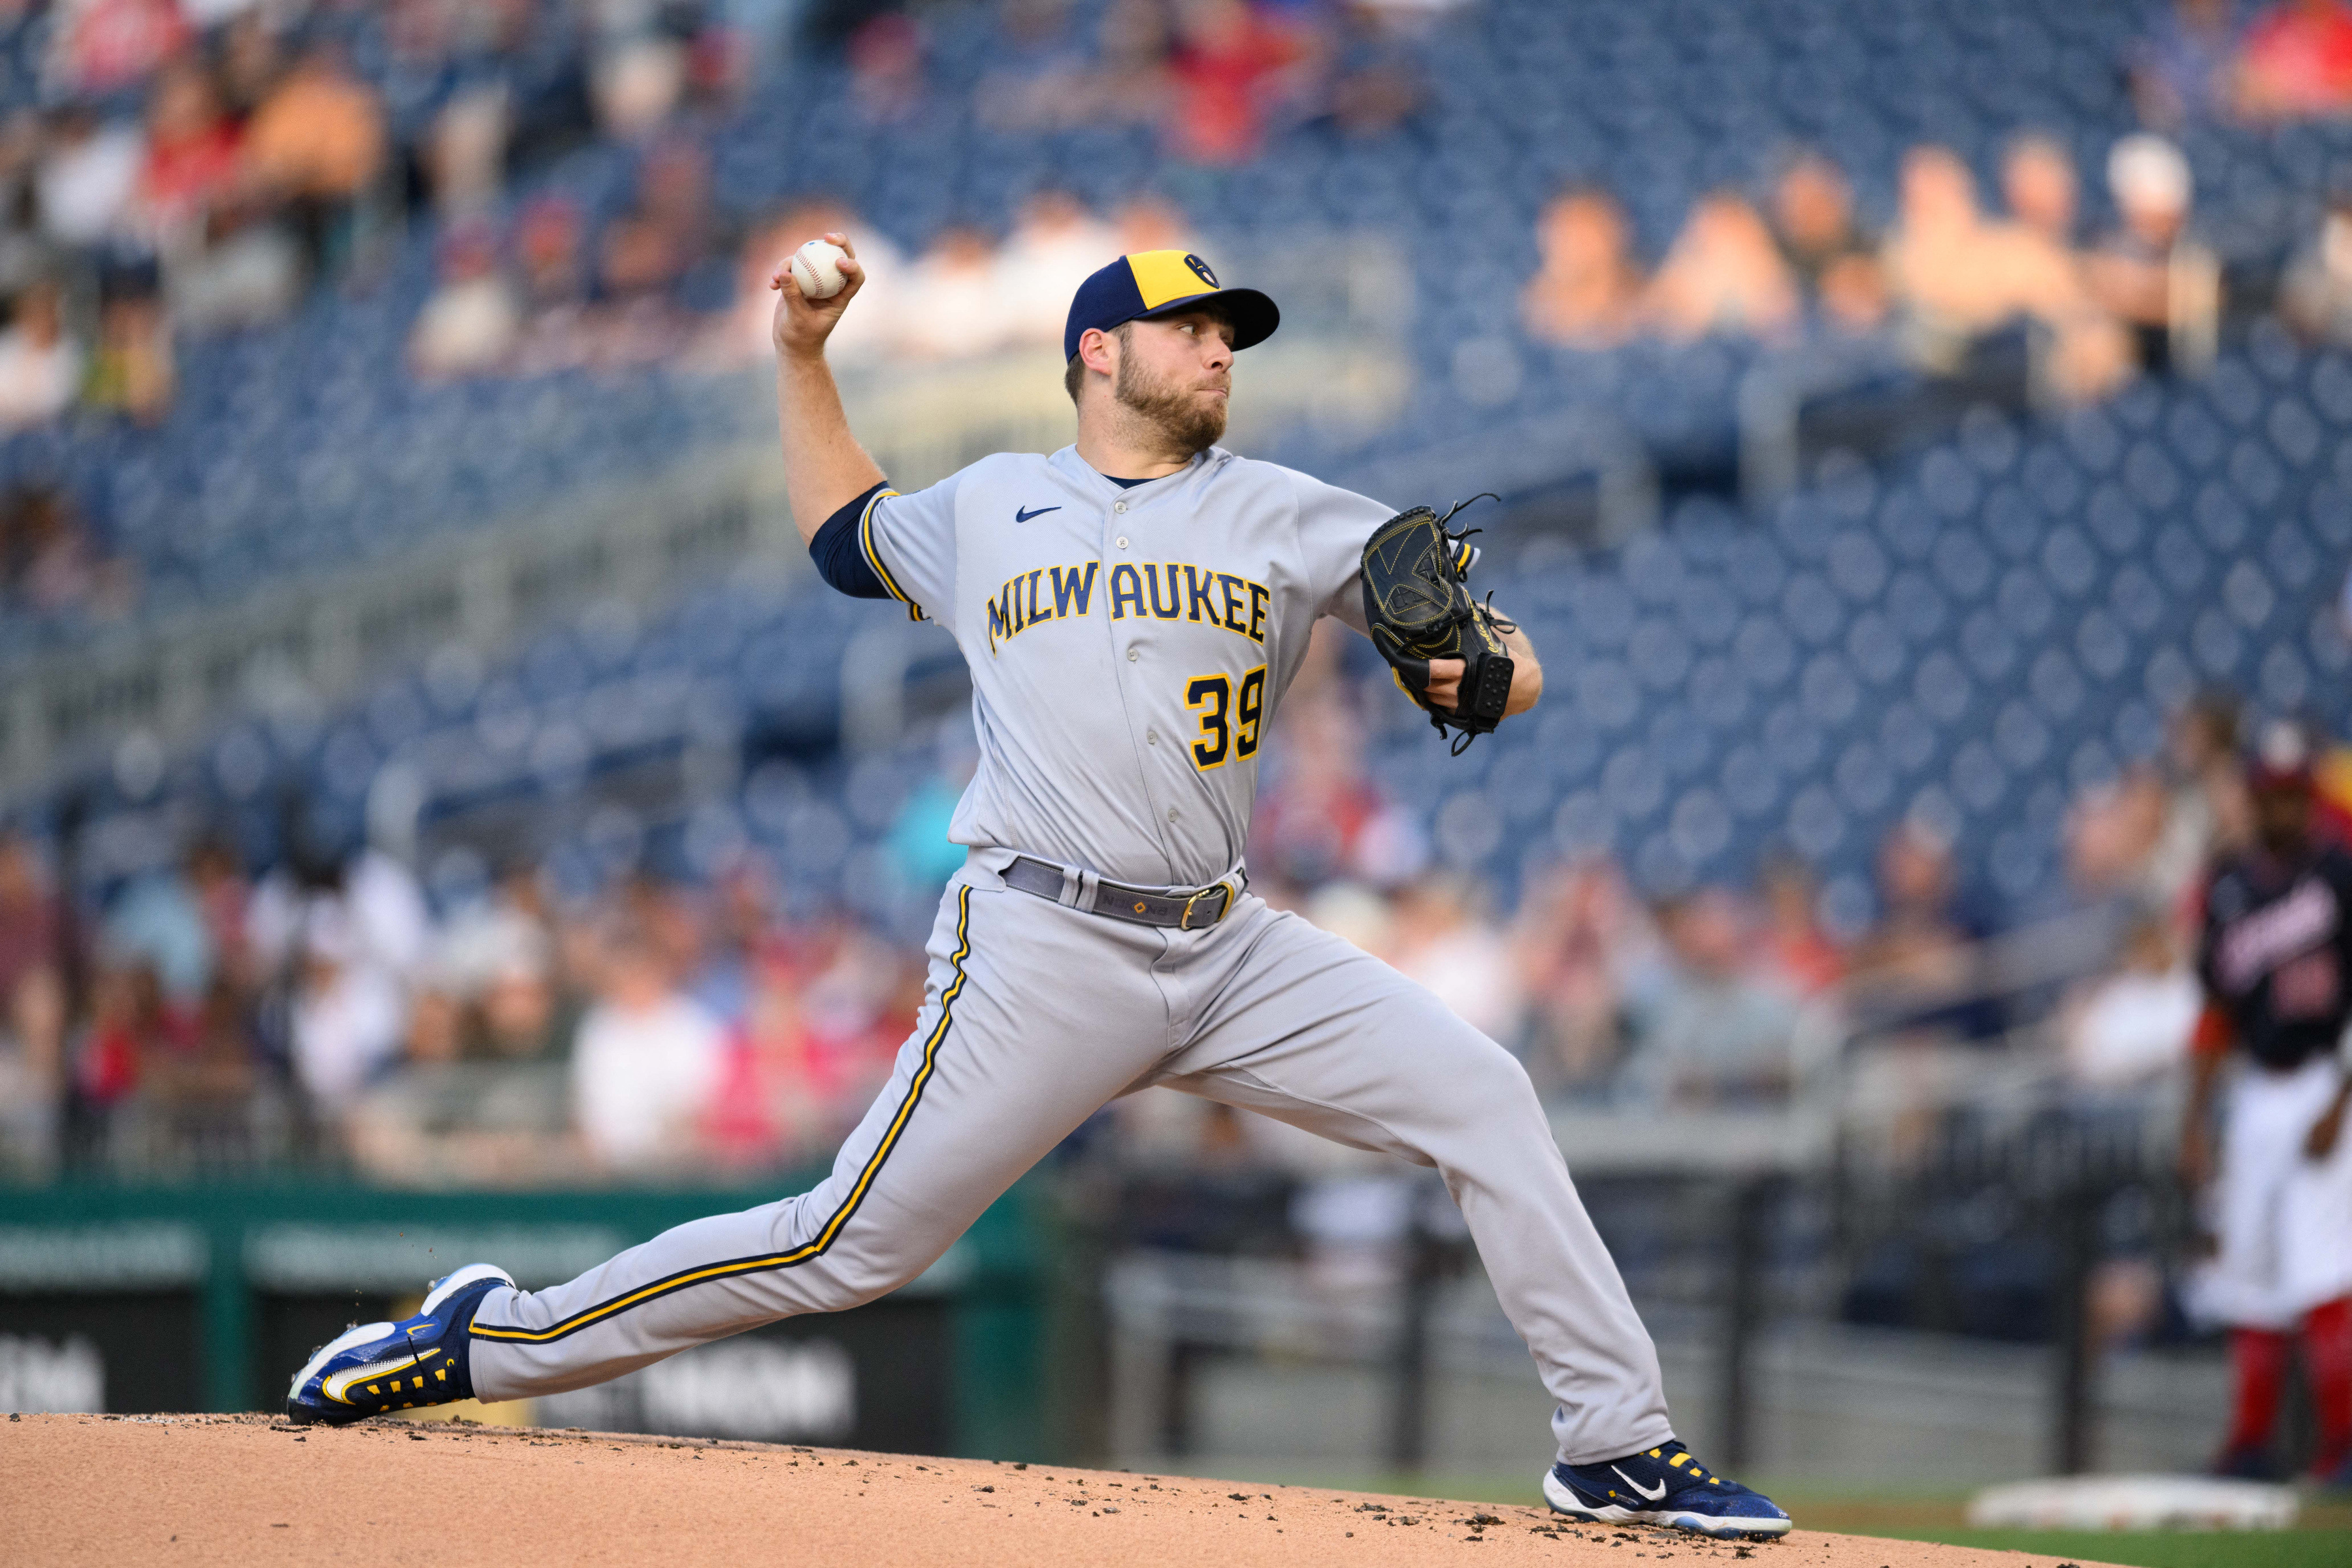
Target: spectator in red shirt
{"x": 193, "y": 155}
{"x": 1227, "y": 72}
{"x": 2296, "y": 63}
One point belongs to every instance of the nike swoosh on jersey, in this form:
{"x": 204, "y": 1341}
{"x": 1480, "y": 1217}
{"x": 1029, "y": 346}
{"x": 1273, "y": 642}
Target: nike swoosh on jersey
{"x": 1645, "y": 1492}
{"x": 1020, "y": 515}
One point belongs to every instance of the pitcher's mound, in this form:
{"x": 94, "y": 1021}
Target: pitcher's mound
{"x": 199, "y": 1490}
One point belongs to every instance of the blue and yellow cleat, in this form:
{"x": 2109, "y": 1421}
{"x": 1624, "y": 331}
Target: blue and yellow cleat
{"x": 375, "y": 1367}
{"x": 1662, "y": 1485}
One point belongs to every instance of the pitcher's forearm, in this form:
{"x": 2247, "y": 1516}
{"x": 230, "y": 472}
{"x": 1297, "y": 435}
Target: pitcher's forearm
{"x": 825, "y": 467}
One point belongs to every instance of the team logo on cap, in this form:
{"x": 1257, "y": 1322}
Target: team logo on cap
{"x": 1201, "y": 270}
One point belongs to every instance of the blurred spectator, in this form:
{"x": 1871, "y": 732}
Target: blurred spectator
{"x": 1375, "y": 71}
{"x": 2296, "y": 62}
{"x": 2315, "y": 295}
{"x": 1320, "y": 817}
{"x": 646, "y": 254}
{"x": 157, "y": 922}
{"x": 1722, "y": 275}
{"x": 502, "y": 938}
{"x": 1580, "y": 932}
{"x": 350, "y": 1011}
{"x": 1962, "y": 278}
{"x": 2112, "y": 834}
{"x": 647, "y": 249}
{"x": 40, "y": 365}
{"x": 1835, "y": 263}
{"x": 471, "y": 324}
{"x": 89, "y": 169}
{"x": 1711, "y": 1033}
{"x": 1586, "y": 293}
{"x": 555, "y": 333}
{"x": 2132, "y": 1028}
{"x": 1935, "y": 261}
{"x": 645, "y": 1062}
{"x": 1796, "y": 954}
{"x": 2206, "y": 807}
{"x": 886, "y": 68}
{"x": 1040, "y": 75}
{"x": 133, "y": 373}
{"x": 252, "y": 59}
{"x": 192, "y": 158}
{"x": 102, "y": 46}
{"x": 48, "y": 558}
{"x": 2150, "y": 274}
{"x": 1918, "y": 962}
{"x": 779, "y": 1091}
{"x": 2182, "y": 74}
{"x": 32, "y": 1007}
{"x": 221, "y": 893}
{"x": 639, "y": 81}
{"x": 464, "y": 151}
{"x": 1439, "y": 939}
{"x": 226, "y": 263}
{"x": 950, "y": 307}
{"x": 1054, "y": 247}
{"x": 2037, "y": 181}
{"x": 128, "y": 1028}
{"x": 1130, "y": 84}
{"x": 1231, "y": 69}
{"x": 443, "y": 1117}
{"x": 342, "y": 940}
{"x": 314, "y": 144}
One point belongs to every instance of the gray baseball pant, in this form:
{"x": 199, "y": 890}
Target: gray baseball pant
{"x": 1037, "y": 1015}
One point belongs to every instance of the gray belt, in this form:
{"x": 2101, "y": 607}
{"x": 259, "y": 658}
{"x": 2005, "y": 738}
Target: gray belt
{"x": 1185, "y": 911}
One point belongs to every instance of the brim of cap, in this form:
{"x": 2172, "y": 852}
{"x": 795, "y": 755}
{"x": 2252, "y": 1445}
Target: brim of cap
{"x": 1254, "y": 315}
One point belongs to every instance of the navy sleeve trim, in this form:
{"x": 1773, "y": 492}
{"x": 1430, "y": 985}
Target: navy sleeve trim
{"x": 839, "y": 550}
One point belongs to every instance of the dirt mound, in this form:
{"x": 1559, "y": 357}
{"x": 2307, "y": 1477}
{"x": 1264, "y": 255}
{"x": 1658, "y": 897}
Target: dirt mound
{"x": 245, "y": 1488}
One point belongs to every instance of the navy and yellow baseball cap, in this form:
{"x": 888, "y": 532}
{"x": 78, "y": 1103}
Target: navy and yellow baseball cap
{"x": 1158, "y": 283}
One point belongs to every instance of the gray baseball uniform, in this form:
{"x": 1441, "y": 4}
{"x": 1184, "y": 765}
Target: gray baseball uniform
{"x": 1128, "y": 647}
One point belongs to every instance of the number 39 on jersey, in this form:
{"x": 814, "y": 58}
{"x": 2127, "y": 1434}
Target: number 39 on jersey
{"x": 1229, "y": 724}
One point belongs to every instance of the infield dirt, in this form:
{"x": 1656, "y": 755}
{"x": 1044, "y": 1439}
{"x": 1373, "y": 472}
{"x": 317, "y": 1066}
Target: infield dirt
{"x": 201, "y": 1489}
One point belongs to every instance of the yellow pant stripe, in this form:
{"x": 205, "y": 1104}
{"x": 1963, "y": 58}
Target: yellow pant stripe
{"x": 825, "y": 1238}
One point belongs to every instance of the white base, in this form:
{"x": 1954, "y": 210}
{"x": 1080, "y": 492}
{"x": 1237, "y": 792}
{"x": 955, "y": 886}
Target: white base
{"x": 2132, "y": 1502}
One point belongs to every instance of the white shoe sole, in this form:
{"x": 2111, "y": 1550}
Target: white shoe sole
{"x": 352, "y": 1338}
{"x": 1718, "y": 1526}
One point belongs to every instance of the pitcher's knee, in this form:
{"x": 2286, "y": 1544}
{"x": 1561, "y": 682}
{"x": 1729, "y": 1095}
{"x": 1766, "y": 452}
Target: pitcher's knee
{"x": 1482, "y": 1083}
{"x": 840, "y": 1283}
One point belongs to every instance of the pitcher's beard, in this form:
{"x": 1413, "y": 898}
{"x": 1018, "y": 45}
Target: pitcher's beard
{"x": 1190, "y": 425}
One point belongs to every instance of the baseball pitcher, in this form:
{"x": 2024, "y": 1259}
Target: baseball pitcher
{"x": 1133, "y": 608}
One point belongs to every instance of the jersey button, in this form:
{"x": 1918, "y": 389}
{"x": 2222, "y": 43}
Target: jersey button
{"x": 1152, "y": 737}
{"x": 1132, "y": 655}
{"x": 1122, "y": 541}
{"x": 1118, "y": 506}
{"x": 1171, "y": 814}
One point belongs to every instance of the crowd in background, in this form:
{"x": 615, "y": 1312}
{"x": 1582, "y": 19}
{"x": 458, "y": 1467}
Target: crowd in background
{"x": 509, "y": 1030}
{"x": 1946, "y": 275}
{"x": 192, "y": 169}
{"x": 196, "y": 169}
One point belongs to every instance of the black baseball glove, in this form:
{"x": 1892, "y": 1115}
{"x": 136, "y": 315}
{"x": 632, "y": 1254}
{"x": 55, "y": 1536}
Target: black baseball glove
{"x": 1418, "y": 606}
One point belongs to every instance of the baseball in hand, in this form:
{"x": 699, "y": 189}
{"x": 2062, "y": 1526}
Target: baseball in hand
{"x": 816, "y": 268}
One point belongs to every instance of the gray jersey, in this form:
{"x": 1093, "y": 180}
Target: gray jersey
{"x": 1128, "y": 646}
{"x": 1128, "y": 649}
